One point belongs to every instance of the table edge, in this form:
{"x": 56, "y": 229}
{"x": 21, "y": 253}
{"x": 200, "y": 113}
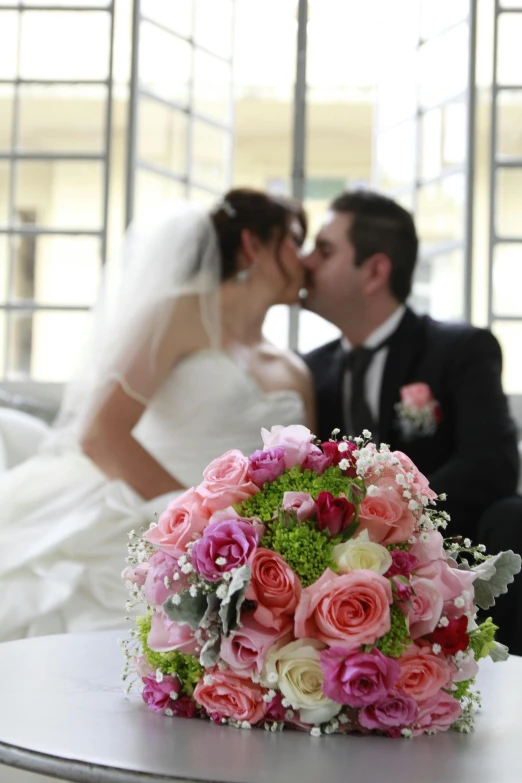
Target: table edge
{"x": 81, "y": 771}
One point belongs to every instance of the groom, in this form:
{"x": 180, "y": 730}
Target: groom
{"x": 430, "y": 389}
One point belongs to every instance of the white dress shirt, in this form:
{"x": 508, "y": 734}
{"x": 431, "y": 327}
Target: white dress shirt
{"x": 375, "y": 371}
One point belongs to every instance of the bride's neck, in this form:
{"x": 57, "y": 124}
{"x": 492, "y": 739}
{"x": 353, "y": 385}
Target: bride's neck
{"x": 243, "y": 312}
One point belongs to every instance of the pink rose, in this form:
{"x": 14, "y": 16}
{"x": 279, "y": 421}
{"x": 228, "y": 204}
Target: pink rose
{"x": 226, "y": 481}
{"x": 347, "y": 610}
{"x": 159, "y": 695}
{"x": 437, "y": 713}
{"x": 395, "y": 710}
{"x": 224, "y": 546}
{"x": 231, "y": 696}
{"x": 386, "y": 517}
{"x": 136, "y": 575}
{"x": 246, "y": 648}
{"x": 452, "y": 583}
{"x": 333, "y": 514}
{"x": 142, "y": 666}
{"x": 184, "y": 519}
{"x": 357, "y": 679}
{"x": 423, "y": 673}
{"x": 165, "y": 635}
{"x": 295, "y": 441}
{"x": 184, "y": 707}
{"x": 425, "y": 607}
{"x": 301, "y": 502}
{"x": 275, "y": 588}
{"x": 316, "y": 461}
{"x": 432, "y": 549}
{"x": 416, "y": 395}
{"x": 404, "y": 563}
{"x": 266, "y": 466}
{"x": 163, "y": 566}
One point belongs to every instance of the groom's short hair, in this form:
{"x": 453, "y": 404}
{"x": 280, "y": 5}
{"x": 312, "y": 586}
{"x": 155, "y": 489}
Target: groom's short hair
{"x": 380, "y": 225}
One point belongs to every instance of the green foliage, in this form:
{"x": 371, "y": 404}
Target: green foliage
{"x": 185, "y": 667}
{"x": 265, "y": 503}
{"x": 397, "y": 639}
{"x": 306, "y": 550}
{"x": 482, "y": 639}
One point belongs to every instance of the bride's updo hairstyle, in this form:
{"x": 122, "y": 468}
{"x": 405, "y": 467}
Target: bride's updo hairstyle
{"x": 267, "y": 217}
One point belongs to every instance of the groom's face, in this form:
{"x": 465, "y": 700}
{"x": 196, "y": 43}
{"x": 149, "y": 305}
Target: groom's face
{"x": 334, "y": 282}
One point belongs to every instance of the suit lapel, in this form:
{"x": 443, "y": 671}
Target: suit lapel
{"x": 406, "y": 349}
{"x": 334, "y": 390}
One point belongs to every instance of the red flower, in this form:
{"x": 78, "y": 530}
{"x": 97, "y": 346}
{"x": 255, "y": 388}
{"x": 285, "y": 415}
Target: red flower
{"x": 333, "y": 514}
{"x": 335, "y": 455}
{"x": 452, "y": 637}
{"x": 437, "y": 414}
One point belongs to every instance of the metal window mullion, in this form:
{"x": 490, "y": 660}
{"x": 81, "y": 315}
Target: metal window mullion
{"x": 26, "y": 230}
{"x": 57, "y": 82}
{"x": 15, "y": 154}
{"x": 108, "y": 139}
{"x": 13, "y": 188}
{"x": 189, "y": 130}
{"x": 33, "y": 307}
{"x": 68, "y": 8}
{"x": 492, "y": 159}
{"x": 132, "y": 122}
{"x": 510, "y": 240}
{"x": 417, "y": 134}
{"x": 469, "y": 211}
{"x": 422, "y": 110}
{"x": 183, "y": 109}
{"x": 507, "y": 163}
{"x": 190, "y": 39}
{"x": 299, "y": 142}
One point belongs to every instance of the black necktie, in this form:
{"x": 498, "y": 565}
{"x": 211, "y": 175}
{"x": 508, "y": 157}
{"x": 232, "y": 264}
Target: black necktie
{"x": 357, "y": 361}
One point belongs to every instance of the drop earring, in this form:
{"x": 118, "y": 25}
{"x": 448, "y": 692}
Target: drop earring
{"x": 243, "y": 275}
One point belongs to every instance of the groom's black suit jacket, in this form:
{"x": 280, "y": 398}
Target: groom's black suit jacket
{"x": 472, "y": 456}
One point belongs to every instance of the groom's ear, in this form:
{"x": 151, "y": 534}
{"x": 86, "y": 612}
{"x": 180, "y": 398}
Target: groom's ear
{"x": 378, "y": 271}
{"x": 250, "y": 245}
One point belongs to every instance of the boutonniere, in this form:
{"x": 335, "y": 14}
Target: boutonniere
{"x": 418, "y": 411}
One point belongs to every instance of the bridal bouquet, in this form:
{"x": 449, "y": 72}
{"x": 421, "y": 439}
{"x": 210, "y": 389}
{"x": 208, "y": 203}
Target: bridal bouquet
{"x": 308, "y": 586}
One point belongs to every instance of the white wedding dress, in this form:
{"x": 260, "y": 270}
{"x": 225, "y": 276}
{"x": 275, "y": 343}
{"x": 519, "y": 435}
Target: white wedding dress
{"x": 64, "y": 525}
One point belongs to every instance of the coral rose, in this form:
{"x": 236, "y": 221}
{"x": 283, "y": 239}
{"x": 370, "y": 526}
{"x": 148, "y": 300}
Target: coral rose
{"x": 275, "y": 588}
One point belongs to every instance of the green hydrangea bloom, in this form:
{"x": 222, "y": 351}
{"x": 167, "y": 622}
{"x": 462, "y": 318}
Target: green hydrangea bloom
{"x": 482, "y": 639}
{"x": 269, "y": 499}
{"x": 186, "y": 668}
{"x": 307, "y": 551}
{"x": 463, "y": 689}
{"x": 397, "y": 639}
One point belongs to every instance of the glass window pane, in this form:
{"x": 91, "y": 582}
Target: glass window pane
{"x": 509, "y": 214}
{"x": 443, "y": 66}
{"x": 176, "y": 16}
{"x": 162, "y": 135}
{"x": 53, "y": 270}
{"x": 395, "y": 104}
{"x": 153, "y": 192}
{"x": 438, "y": 287}
{"x": 70, "y": 3}
{"x": 511, "y": 4}
{"x": 6, "y": 114}
{"x": 203, "y": 197}
{"x": 62, "y": 118}
{"x": 8, "y": 43}
{"x": 509, "y": 334}
{"x": 509, "y": 61}
{"x": 509, "y": 123}
{"x": 507, "y": 280}
{"x": 314, "y": 331}
{"x": 214, "y": 26}
{"x": 63, "y": 194}
{"x": 212, "y": 87}
{"x": 440, "y": 215}
{"x": 396, "y": 156}
{"x": 76, "y": 45}
{"x": 164, "y": 64}
{"x": 4, "y": 192}
{"x": 55, "y": 340}
{"x": 436, "y": 17}
{"x": 210, "y": 156}
{"x": 4, "y": 267}
{"x": 443, "y": 139}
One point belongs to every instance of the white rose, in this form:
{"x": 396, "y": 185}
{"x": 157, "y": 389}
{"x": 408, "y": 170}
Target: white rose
{"x": 360, "y": 552}
{"x": 300, "y": 679}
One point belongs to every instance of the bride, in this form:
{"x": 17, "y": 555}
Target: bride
{"x": 177, "y": 373}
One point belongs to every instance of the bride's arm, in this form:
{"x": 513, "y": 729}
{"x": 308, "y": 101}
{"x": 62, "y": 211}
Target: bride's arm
{"x": 107, "y": 437}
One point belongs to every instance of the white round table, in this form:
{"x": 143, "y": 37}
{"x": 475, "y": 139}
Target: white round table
{"x": 63, "y": 713}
